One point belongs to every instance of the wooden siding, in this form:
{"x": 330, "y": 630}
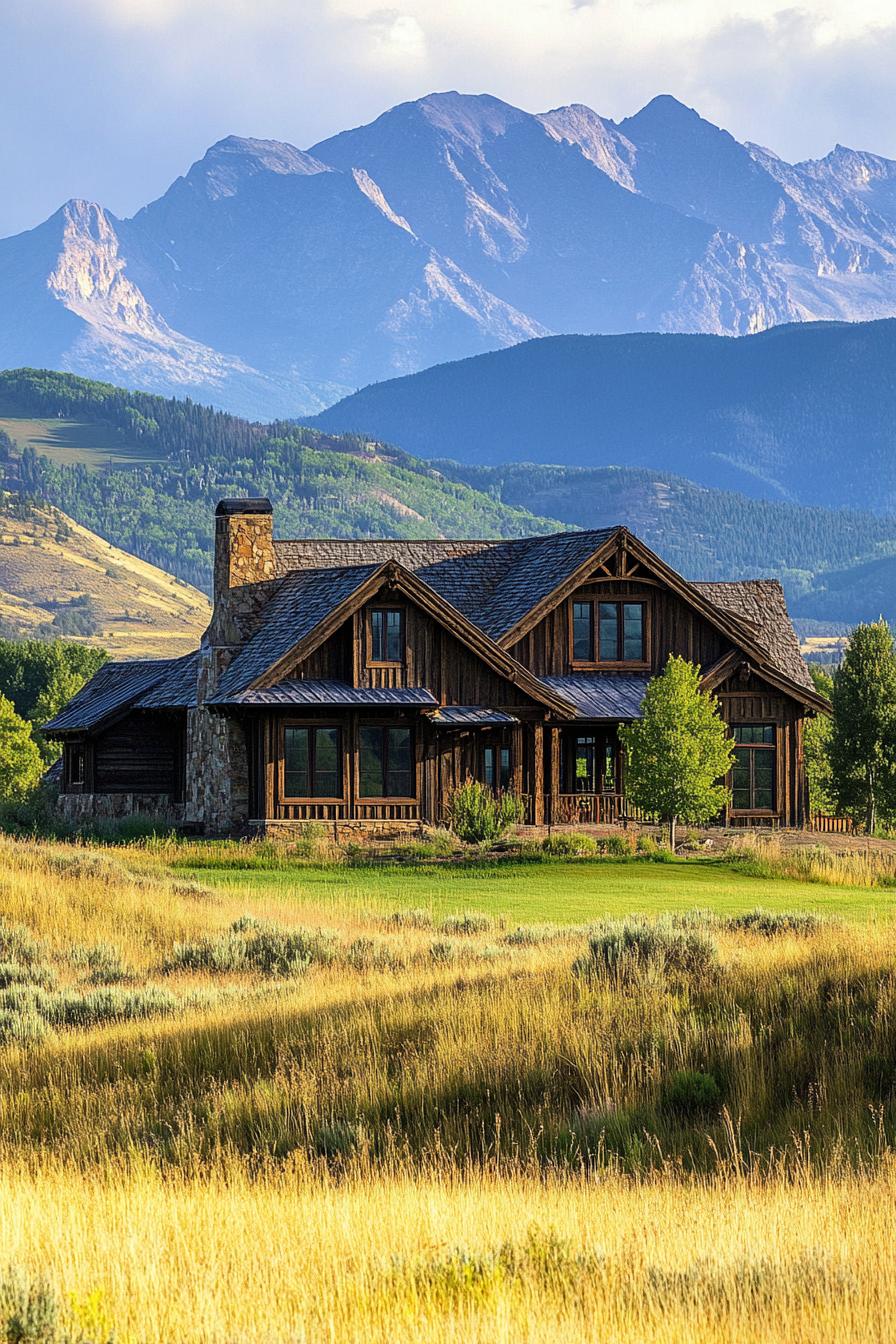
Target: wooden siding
{"x": 142, "y": 753}
{"x": 673, "y": 627}
{"x": 435, "y": 658}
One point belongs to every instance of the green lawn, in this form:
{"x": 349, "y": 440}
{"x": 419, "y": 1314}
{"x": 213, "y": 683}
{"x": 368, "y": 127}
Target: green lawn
{"x": 574, "y": 892}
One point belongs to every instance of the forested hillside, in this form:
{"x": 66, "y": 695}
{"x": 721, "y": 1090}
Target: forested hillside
{"x": 156, "y": 499}
{"x": 838, "y": 565}
{"x": 161, "y": 509}
{"x": 805, "y": 413}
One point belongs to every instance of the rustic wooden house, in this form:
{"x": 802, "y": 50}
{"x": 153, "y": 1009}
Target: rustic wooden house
{"x": 357, "y": 682}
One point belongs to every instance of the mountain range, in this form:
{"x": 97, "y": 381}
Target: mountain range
{"x": 805, "y": 412}
{"x": 271, "y": 280}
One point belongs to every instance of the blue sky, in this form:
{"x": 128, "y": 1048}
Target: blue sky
{"x": 112, "y": 99}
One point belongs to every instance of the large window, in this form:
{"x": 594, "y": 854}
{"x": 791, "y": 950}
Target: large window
{"x": 387, "y": 635}
{"x": 497, "y": 773}
{"x": 386, "y": 764}
{"x": 312, "y": 762}
{"x": 753, "y": 772}
{"x": 609, "y": 632}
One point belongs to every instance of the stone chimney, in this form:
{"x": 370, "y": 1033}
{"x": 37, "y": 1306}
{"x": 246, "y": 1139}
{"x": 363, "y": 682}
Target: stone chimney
{"x": 217, "y": 766}
{"x": 244, "y": 566}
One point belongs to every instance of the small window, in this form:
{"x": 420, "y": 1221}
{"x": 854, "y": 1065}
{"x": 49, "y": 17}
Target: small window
{"x": 386, "y": 765}
{"x": 496, "y": 768}
{"x": 621, "y": 632}
{"x": 76, "y": 767}
{"x": 312, "y": 763}
{"x": 387, "y": 635}
{"x": 754, "y": 769}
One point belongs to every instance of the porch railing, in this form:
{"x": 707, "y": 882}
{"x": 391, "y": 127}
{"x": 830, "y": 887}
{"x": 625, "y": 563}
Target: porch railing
{"x": 590, "y": 809}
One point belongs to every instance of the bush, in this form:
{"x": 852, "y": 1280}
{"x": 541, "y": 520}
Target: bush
{"x": 466, "y": 924}
{"x": 442, "y": 952}
{"x": 29, "y": 1311}
{"x": 371, "y": 954}
{"x": 478, "y": 816}
{"x": 690, "y": 1092}
{"x": 620, "y": 949}
{"x": 103, "y": 963}
{"x": 409, "y": 919}
{"x": 773, "y": 923}
{"x": 570, "y": 843}
{"x": 254, "y": 945}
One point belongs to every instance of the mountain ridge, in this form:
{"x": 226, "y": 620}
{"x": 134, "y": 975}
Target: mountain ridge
{"x": 273, "y": 280}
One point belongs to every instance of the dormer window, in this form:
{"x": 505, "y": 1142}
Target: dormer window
{"x": 608, "y": 632}
{"x": 386, "y": 635}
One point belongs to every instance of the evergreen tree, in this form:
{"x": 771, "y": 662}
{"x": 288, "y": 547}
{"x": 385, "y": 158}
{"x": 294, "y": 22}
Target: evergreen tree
{"x": 863, "y": 738}
{"x": 21, "y": 765}
{"x": 679, "y": 751}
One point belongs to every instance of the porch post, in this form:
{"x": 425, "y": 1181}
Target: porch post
{"x": 555, "y": 775}
{"x": 538, "y": 775}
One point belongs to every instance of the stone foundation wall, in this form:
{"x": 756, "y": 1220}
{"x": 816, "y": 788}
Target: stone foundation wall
{"x": 85, "y": 807}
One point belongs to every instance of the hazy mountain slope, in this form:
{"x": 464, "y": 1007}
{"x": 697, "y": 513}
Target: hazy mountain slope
{"x": 51, "y": 568}
{"x": 838, "y": 565}
{"x": 806, "y": 413}
{"x": 272, "y": 280}
{"x": 174, "y": 460}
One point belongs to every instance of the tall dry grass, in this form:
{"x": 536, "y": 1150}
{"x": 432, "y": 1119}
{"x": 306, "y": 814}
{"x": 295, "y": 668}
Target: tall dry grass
{"x": 423, "y": 1132}
{"x": 279, "y": 1257}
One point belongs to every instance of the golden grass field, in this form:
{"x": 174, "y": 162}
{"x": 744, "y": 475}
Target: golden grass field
{"x": 344, "y": 1120}
{"x": 141, "y": 610}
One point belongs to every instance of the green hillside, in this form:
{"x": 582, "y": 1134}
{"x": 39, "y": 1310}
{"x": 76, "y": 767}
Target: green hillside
{"x": 160, "y": 507}
{"x": 156, "y": 468}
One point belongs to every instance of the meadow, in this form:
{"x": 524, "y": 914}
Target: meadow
{"x": 248, "y": 1097}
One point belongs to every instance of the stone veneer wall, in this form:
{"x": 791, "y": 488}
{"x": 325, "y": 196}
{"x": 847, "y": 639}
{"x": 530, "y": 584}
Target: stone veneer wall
{"x": 82, "y": 807}
{"x": 217, "y": 764}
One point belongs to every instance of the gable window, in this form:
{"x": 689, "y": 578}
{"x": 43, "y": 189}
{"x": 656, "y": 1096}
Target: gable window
{"x": 496, "y": 768}
{"x": 312, "y": 762}
{"x": 387, "y": 635}
{"x": 754, "y": 769}
{"x": 609, "y": 632}
{"x": 386, "y": 762}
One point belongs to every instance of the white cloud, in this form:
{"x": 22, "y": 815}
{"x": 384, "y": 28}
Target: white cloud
{"x": 143, "y": 86}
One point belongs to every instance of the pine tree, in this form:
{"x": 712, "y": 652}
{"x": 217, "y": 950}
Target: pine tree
{"x": 863, "y": 739}
{"x": 679, "y": 751}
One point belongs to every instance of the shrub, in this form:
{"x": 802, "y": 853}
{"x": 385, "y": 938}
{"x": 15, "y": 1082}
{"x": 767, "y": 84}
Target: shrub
{"x": 371, "y": 954}
{"x": 13, "y": 973}
{"x": 467, "y": 924}
{"x": 103, "y": 963}
{"x": 479, "y": 816}
{"x": 409, "y": 919}
{"x": 689, "y": 1092}
{"x": 18, "y": 944}
{"x": 772, "y": 923}
{"x": 617, "y": 846}
{"x": 442, "y": 951}
{"x": 69, "y": 1008}
{"x": 29, "y": 1311}
{"x": 254, "y": 945}
{"x": 570, "y": 843}
{"x": 620, "y": 949}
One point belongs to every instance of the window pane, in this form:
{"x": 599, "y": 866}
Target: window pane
{"x": 768, "y": 733}
{"x": 505, "y": 767}
{"x": 488, "y": 767}
{"x": 394, "y": 650}
{"x": 633, "y": 632}
{"x": 740, "y": 780}
{"x": 763, "y": 779}
{"x": 585, "y": 781}
{"x": 296, "y": 763}
{"x": 326, "y": 763}
{"x": 399, "y": 773}
{"x": 371, "y": 762}
{"x": 583, "y": 632}
{"x": 609, "y": 632}
{"x": 377, "y": 636}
